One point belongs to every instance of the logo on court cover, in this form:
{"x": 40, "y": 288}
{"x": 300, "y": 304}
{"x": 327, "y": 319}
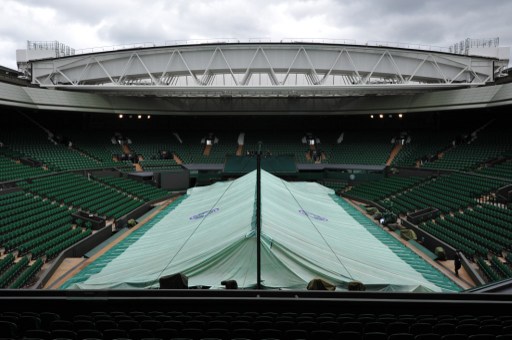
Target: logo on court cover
{"x": 313, "y": 216}
{"x": 203, "y": 214}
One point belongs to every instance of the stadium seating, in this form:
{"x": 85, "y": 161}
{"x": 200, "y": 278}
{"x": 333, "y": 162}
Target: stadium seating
{"x": 503, "y": 270}
{"x": 444, "y": 233}
{"x": 6, "y": 262}
{"x": 503, "y": 170}
{"x": 336, "y": 185}
{"x": 12, "y": 170}
{"x": 12, "y": 272}
{"x": 27, "y": 274}
{"x": 79, "y": 192}
{"x": 252, "y": 324}
{"x": 482, "y": 147}
{"x": 26, "y": 221}
{"x": 32, "y": 228}
{"x": 468, "y": 222}
{"x": 36, "y": 221}
{"x": 149, "y": 145}
{"x": 389, "y": 241}
{"x": 360, "y": 147}
{"x": 491, "y": 274}
{"x": 134, "y": 188}
{"x": 159, "y": 164}
{"x": 446, "y": 193}
{"x": 278, "y": 143}
{"x": 226, "y": 145}
{"x": 378, "y": 190}
{"x": 99, "y": 148}
{"x": 37, "y": 145}
{"x": 423, "y": 146}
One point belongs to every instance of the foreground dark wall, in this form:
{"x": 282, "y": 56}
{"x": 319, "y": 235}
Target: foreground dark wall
{"x": 77, "y": 302}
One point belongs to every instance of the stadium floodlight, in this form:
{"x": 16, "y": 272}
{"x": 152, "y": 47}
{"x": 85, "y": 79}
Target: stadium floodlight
{"x": 400, "y": 115}
{"x": 371, "y": 116}
{"x": 381, "y": 116}
{"x": 148, "y": 117}
{"x": 120, "y": 116}
{"x": 139, "y": 116}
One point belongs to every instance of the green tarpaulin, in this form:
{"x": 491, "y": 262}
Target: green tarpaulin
{"x": 307, "y": 232}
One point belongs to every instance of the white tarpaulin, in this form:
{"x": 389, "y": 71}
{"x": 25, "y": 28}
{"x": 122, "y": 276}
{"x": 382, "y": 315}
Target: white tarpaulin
{"x": 307, "y": 233}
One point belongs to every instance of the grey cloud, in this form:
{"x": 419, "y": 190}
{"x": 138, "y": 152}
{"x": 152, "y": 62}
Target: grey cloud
{"x": 112, "y": 22}
{"x": 434, "y": 22}
{"x": 90, "y": 11}
{"x": 208, "y": 21}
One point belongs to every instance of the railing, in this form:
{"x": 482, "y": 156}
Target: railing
{"x": 409, "y": 46}
{"x": 262, "y": 40}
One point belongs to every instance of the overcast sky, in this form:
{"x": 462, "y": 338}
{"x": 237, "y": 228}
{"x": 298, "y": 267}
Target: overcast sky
{"x": 83, "y": 24}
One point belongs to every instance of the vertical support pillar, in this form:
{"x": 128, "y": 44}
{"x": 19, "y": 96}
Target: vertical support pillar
{"x": 258, "y": 216}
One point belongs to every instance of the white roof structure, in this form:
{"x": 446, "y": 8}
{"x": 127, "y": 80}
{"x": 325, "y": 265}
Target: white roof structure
{"x": 264, "y": 70}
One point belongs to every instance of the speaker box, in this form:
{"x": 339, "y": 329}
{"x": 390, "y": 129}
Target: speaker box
{"x": 174, "y": 281}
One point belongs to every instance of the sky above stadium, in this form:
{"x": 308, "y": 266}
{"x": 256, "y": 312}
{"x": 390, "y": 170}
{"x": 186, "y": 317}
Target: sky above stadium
{"x": 97, "y": 23}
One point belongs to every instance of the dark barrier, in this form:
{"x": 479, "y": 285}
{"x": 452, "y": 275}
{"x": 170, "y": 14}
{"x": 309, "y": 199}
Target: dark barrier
{"x": 103, "y": 173}
{"x": 421, "y": 172}
{"x": 76, "y": 250}
{"x": 85, "y": 245}
{"x": 82, "y": 247}
{"x": 378, "y": 206}
{"x": 96, "y": 221}
{"x": 123, "y": 221}
{"x": 419, "y": 216}
{"x": 428, "y": 240}
{"x": 504, "y": 194}
{"x": 472, "y": 272}
{"x": 431, "y": 242}
{"x": 8, "y": 188}
{"x": 174, "y": 180}
{"x": 31, "y": 162}
{"x": 71, "y": 302}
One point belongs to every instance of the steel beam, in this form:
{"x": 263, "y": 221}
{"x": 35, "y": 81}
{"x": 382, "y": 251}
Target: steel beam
{"x": 251, "y": 68}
